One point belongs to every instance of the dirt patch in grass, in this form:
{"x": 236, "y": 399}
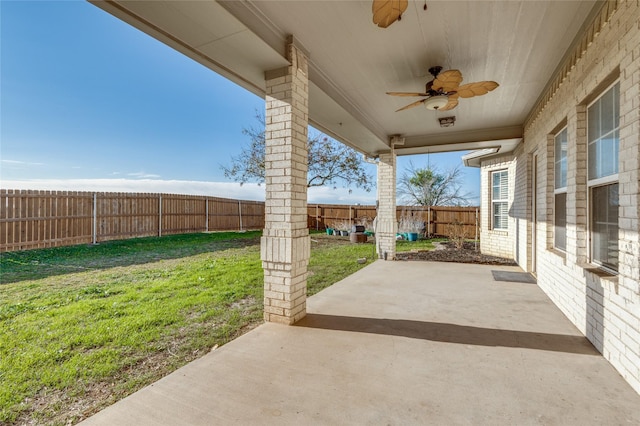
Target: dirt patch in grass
{"x": 448, "y": 252}
{"x": 45, "y": 406}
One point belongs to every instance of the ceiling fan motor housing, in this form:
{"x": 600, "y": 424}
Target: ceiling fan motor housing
{"x": 436, "y": 102}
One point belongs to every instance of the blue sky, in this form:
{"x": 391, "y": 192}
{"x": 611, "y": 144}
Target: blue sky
{"x": 90, "y": 103}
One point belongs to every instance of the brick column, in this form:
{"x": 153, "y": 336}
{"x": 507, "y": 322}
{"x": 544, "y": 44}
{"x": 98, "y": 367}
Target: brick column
{"x": 285, "y": 246}
{"x": 577, "y": 251}
{"x": 629, "y": 184}
{"x": 386, "y": 223}
{"x": 548, "y": 160}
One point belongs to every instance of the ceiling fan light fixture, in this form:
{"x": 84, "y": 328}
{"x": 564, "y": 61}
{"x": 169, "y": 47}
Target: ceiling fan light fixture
{"x": 436, "y": 102}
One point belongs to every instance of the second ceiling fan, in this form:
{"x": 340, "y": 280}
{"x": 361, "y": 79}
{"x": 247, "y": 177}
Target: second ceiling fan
{"x": 443, "y": 91}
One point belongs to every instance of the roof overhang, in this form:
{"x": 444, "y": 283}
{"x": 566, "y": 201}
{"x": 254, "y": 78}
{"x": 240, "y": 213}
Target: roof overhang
{"x": 492, "y": 149}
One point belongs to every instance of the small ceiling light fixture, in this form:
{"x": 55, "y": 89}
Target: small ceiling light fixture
{"x": 447, "y": 121}
{"x": 436, "y": 102}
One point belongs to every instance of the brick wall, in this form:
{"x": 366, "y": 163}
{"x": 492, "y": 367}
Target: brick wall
{"x": 497, "y": 242}
{"x": 605, "y": 307}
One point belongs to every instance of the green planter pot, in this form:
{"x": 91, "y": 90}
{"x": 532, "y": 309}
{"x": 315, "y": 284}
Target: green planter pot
{"x": 412, "y": 236}
{"x": 329, "y": 231}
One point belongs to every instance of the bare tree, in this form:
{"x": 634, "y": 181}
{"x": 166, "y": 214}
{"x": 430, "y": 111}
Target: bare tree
{"x": 330, "y": 163}
{"x": 429, "y": 187}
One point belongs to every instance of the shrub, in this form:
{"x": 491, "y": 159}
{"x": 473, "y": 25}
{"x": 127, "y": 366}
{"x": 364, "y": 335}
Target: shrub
{"x": 409, "y": 223}
{"x": 457, "y": 233}
{"x": 344, "y": 225}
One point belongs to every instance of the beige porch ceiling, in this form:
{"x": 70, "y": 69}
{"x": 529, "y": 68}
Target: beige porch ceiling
{"x": 353, "y": 63}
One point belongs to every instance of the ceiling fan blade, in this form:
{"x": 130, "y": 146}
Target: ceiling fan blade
{"x": 414, "y": 104}
{"x": 448, "y": 81}
{"x": 476, "y": 89}
{"x": 386, "y": 12}
{"x": 407, "y": 94}
{"x": 453, "y": 102}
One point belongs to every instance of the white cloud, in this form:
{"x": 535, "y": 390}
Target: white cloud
{"x": 213, "y": 189}
{"x": 21, "y": 163}
{"x": 326, "y": 195}
{"x": 143, "y": 175}
{"x": 248, "y": 191}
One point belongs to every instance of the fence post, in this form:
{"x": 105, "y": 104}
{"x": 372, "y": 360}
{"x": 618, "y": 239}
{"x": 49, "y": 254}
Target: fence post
{"x": 476, "y": 240}
{"x": 240, "y": 213}
{"x": 206, "y": 215}
{"x": 159, "y": 215}
{"x": 317, "y": 221}
{"x": 428, "y": 221}
{"x": 95, "y": 219}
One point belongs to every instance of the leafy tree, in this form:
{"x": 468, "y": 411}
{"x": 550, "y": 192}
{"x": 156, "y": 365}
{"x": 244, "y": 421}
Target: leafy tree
{"x": 429, "y": 187}
{"x": 330, "y": 162}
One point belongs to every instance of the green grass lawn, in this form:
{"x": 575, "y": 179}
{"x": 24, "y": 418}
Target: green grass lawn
{"x": 34, "y": 264}
{"x": 404, "y": 245}
{"x": 84, "y": 326}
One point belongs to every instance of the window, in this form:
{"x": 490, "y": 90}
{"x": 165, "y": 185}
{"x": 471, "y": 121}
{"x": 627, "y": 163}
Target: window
{"x": 499, "y": 199}
{"x": 560, "y": 192}
{"x": 603, "y": 126}
{"x": 604, "y": 225}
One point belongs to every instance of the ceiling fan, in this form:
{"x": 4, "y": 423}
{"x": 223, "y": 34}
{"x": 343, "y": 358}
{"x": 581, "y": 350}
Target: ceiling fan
{"x": 386, "y": 12}
{"x": 443, "y": 91}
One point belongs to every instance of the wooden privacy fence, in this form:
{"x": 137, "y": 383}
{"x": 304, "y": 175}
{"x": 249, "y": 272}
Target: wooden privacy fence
{"x": 437, "y": 219}
{"x": 38, "y": 219}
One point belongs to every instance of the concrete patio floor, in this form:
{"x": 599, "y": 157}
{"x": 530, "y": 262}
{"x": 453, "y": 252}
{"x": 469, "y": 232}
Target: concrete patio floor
{"x": 399, "y": 343}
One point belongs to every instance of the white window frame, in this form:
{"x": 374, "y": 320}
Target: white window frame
{"x": 499, "y": 200}
{"x": 599, "y": 182}
{"x": 559, "y": 189}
